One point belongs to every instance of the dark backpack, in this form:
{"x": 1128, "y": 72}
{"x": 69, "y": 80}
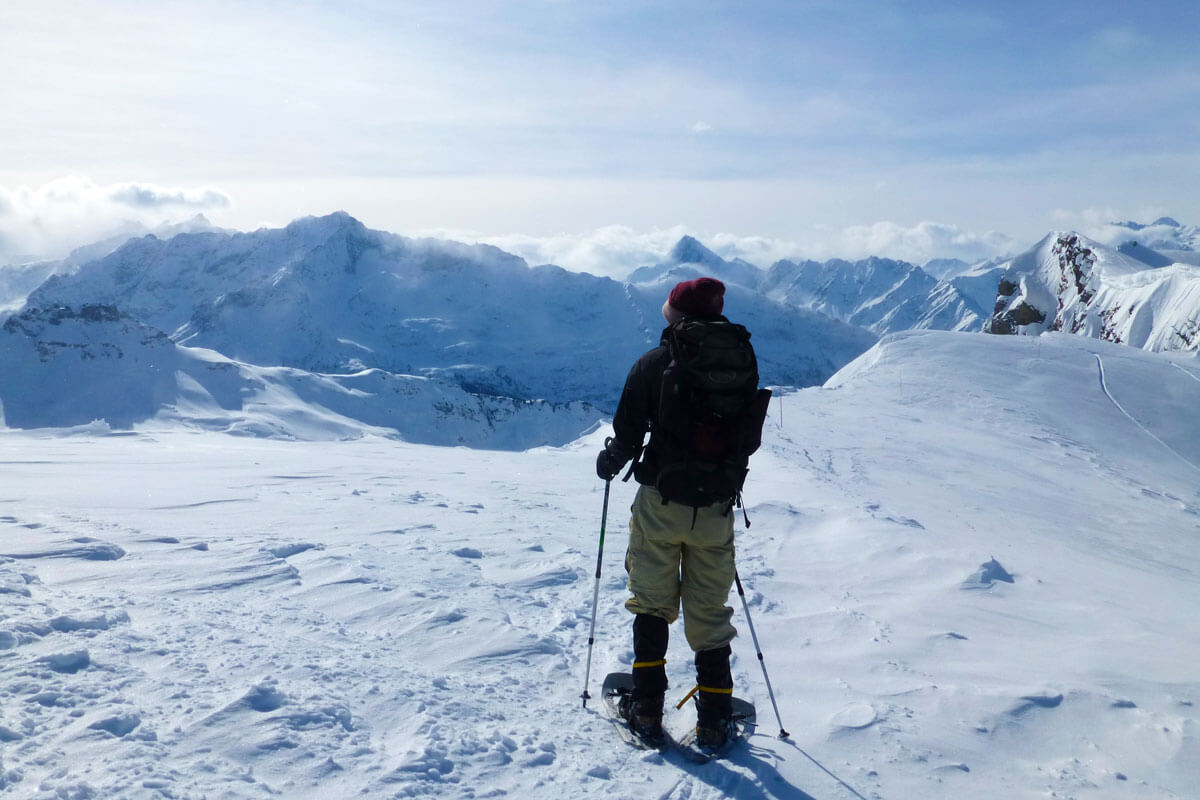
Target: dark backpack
{"x": 710, "y": 413}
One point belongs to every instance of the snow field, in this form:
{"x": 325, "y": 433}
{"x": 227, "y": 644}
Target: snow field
{"x": 257, "y": 634}
{"x": 196, "y": 615}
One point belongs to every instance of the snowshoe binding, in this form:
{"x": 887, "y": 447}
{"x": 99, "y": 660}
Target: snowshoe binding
{"x": 639, "y": 719}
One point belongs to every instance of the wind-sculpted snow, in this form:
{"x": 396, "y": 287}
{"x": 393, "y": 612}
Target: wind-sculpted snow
{"x": 972, "y": 572}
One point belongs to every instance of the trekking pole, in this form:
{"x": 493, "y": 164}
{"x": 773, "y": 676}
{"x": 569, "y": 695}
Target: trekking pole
{"x": 758, "y": 650}
{"x": 596, "y": 596}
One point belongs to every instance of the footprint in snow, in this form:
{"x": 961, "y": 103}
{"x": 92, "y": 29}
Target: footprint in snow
{"x": 542, "y": 755}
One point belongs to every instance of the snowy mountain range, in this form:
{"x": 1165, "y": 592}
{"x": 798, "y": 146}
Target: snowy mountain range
{"x": 328, "y": 297}
{"x": 487, "y": 339}
{"x": 1129, "y": 294}
{"x": 879, "y": 294}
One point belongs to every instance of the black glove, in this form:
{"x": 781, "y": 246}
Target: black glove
{"x": 611, "y": 459}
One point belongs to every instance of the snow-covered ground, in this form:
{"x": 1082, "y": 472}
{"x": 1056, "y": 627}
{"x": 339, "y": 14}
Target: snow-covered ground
{"x": 188, "y": 614}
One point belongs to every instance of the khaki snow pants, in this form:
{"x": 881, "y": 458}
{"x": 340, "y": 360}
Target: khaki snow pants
{"x": 669, "y": 561}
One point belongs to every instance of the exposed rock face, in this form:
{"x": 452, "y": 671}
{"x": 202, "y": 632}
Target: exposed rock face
{"x": 1071, "y": 284}
{"x": 37, "y": 326}
{"x": 1077, "y": 276}
{"x": 1012, "y": 320}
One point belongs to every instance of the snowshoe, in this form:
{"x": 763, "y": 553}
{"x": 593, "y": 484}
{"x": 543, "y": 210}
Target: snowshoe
{"x": 637, "y": 727}
{"x": 719, "y": 737}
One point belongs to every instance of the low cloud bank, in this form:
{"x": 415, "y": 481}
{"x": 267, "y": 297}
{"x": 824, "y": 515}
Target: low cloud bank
{"x": 52, "y": 220}
{"x": 615, "y": 251}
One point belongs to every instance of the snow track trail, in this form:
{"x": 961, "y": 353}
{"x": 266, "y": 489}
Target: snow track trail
{"x": 1191, "y": 375}
{"x": 1134, "y": 420}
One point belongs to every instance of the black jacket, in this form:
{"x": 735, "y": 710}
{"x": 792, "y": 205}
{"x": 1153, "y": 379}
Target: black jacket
{"x": 637, "y": 413}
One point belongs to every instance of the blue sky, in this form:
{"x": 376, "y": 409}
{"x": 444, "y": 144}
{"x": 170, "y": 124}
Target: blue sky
{"x": 790, "y": 121}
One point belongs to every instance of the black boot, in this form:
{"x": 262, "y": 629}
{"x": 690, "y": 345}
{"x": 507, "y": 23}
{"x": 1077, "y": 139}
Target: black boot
{"x": 714, "y": 700}
{"x": 713, "y": 720}
{"x": 644, "y": 714}
{"x": 643, "y": 708}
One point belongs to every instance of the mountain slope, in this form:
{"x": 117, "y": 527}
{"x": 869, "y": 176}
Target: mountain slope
{"x": 67, "y": 368}
{"x": 17, "y": 281}
{"x": 879, "y": 294}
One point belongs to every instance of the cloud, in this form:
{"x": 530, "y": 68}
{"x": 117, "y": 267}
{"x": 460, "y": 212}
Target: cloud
{"x": 1117, "y": 226}
{"x": 615, "y": 251}
{"x": 146, "y": 197}
{"x": 922, "y": 242}
{"x": 1157, "y": 237}
{"x": 611, "y": 251}
{"x": 51, "y": 220}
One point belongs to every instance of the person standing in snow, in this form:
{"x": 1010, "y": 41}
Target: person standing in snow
{"x": 679, "y": 552}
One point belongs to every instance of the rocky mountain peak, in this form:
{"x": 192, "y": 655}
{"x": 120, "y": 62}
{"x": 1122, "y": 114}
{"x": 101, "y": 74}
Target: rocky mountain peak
{"x": 688, "y": 250}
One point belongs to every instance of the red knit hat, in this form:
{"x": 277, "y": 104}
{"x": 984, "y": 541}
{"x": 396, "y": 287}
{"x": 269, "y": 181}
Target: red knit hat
{"x": 703, "y": 297}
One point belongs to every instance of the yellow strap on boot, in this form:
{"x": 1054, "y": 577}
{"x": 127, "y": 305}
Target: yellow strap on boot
{"x": 644, "y": 664}
{"x": 699, "y": 688}
{"x": 687, "y": 697}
